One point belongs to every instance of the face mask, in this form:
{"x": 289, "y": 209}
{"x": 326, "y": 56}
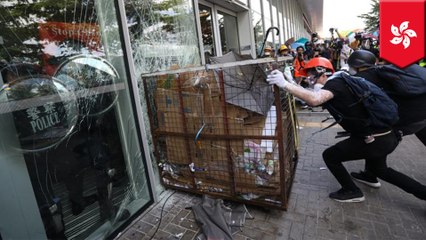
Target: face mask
{"x": 312, "y": 80}
{"x": 352, "y": 71}
{"x": 318, "y": 86}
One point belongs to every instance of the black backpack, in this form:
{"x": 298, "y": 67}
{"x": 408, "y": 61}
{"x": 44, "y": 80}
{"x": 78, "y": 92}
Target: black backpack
{"x": 409, "y": 81}
{"x": 382, "y": 110}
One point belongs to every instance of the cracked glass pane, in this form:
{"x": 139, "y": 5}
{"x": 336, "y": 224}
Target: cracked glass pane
{"x": 73, "y": 166}
{"x": 163, "y": 34}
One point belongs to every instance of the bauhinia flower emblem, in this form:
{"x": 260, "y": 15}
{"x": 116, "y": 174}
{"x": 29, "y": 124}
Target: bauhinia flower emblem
{"x": 402, "y": 34}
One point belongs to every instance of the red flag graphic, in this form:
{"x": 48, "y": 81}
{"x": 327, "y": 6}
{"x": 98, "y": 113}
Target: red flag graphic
{"x": 402, "y": 31}
{"x": 54, "y": 36}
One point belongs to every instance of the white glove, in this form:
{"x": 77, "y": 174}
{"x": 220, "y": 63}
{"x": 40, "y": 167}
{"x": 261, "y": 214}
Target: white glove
{"x": 287, "y": 75}
{"x": 276, "y": 77}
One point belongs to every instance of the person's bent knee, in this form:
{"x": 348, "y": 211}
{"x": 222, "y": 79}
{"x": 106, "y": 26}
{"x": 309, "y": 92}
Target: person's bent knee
{"x": 328, "y": 154}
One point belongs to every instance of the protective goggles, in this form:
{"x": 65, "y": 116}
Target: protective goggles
{"x": 316, "y": 72}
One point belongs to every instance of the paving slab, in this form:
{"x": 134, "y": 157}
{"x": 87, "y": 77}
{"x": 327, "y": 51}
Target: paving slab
{"x": 387, "y": 212}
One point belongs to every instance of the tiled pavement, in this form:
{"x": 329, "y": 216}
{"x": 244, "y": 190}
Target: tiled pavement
{"x": 387, "y": 213}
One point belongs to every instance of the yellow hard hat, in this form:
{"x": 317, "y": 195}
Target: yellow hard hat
{"x": 283, "y": 47}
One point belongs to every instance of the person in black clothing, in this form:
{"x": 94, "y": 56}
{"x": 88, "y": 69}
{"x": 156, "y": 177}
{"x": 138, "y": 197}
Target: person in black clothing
{"x": 326, "y": 51}
{"x": 365, "y": 142}
{"x": 368, "y": 44}
{"x": 92, "y": 151}
{"x": 309, "y": 51}
{"x": 412, "y": 110}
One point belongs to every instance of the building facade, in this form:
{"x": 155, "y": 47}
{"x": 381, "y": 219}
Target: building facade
{"x": 76, "y": 155}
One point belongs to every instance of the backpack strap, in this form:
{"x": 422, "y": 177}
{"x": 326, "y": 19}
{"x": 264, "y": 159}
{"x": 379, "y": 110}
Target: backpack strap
{"x": 346, "y": 77}
{"x": 337, "y": 114}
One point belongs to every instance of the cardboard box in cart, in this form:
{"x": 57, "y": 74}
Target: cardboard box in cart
{"x": 210, "y": 157}
{"x": 208, "y": 146}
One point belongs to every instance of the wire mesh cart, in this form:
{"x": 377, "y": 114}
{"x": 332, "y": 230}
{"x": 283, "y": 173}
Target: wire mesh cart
{"x": 222, "y": 130}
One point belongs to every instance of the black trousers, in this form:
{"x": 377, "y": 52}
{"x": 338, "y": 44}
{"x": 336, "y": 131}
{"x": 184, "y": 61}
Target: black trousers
{"x": 375, "y": 153}
{"x": 417, "y": 128}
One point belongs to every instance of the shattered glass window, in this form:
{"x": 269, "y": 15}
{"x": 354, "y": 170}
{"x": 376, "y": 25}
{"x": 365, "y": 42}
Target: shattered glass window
{"x": 163, "y": 34}
{"x": 72, "y": 165}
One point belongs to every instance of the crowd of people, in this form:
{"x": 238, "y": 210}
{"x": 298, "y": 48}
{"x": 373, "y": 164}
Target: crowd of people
{"x": 336, "y": 50}
{"x": 318, "y": 64}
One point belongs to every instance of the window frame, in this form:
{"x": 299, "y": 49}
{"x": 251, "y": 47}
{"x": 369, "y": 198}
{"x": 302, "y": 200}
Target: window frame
{"x": 216, "y": 31}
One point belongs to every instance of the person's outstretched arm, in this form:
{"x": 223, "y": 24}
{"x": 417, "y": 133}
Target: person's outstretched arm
{"x": 313, "y": 98}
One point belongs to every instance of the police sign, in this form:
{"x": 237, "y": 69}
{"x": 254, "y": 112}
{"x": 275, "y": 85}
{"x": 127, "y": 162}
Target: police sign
{"x": 44, "y": 111}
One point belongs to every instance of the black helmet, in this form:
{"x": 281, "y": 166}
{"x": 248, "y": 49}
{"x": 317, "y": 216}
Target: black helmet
{"x": 362, "y": 58}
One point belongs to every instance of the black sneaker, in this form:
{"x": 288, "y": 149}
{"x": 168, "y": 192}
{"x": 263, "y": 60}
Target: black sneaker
{"x": 347, "y": 196}
{"x": 365, "y": 178}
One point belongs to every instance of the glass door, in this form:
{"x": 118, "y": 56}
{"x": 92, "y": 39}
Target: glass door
{"x": 219, "y": 30}
{"x": 72, "y": 163}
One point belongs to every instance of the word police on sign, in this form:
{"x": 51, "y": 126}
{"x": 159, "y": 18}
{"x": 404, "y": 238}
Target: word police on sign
{"x": 44, "y": 111}
{"x": 49, "y": 117}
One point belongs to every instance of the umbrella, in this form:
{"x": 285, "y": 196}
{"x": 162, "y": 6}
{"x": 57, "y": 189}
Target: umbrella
{"x": 217, "y": 220}
{"x": 351, "y": 36}
{"x": 245, "y": 86}
{"x": 368, "y": 35}
{"x": 212, "y": 215}
{"x": 350, "y": 32}
{"x": 297, "y": 44}
{"x": 289, "y": 41}
{"x": 302, "y": 40}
